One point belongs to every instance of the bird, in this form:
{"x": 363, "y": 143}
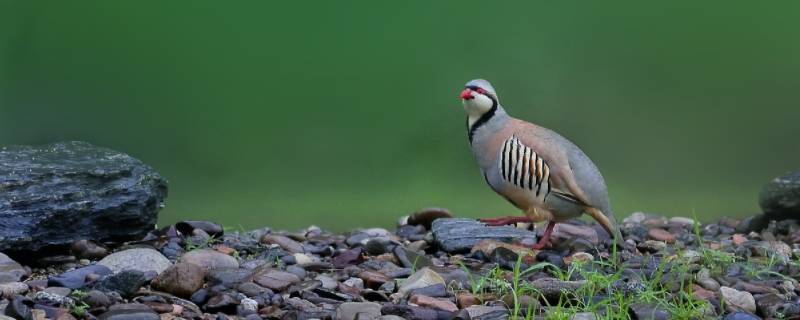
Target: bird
{"x": 536, "y": 169}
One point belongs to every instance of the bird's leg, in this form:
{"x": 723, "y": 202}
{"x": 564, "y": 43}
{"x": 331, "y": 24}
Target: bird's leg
{"x": 544, "y": 241}
{"x": 504, "y": 220}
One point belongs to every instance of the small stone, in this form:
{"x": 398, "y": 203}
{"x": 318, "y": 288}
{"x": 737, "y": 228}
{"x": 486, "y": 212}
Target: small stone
{"x": 348, "y": 258}
{"x": 10, "y": 270}
{"x": 465, "y": 300}
{"x": 358, "y": 311}
{"x": 425, "y": 217}
{"x": 704, "y": 279}
{"x": 19, "y": 308}
{"x": 76, "y": 279}
{"x": 437, "y": 291}
{"x": 210, "y": 259}
{"x": 181, "y": 279}
{"x": 373, "y": 279}
{"x": 126, "y": 283}
{"x": 580, "y": 257}
{"x": 284, "y": 242}
{"x": 661, "y": 235}
{"x": 433, "y": 303}
{"x": 487, "y": 312}
{"x": 564, "y": 232}
{"x": 96, "y": 299}
{"x": 327, "y": 282}
{"x": 741, "y": 316}
{"x": 648, "y": 311}
{"x": 251, "y": 289}
{"x": 738, "y": 239}
{"x": 86, "y": 249}
{"x": 139, "y": 259}
{"x": 227, "y": 277}
{"x": 420, "y": 279}
{"x": 682, "y": 221}
{"x": 51, "y": 298}
{"x": 652, "y": 246}
{"x": 10, "y": 289}
{"x": 357, "y": 283}
{"x": 249, "y": 304}
{"x": 736, "y": 300}
{"x": 62, "y": 291}
{"x": 303, "y": 259}
{"x": 414, "y": 312}
{"x": 275, "y": 279}
{"x": 224, "y": 303}
{"x": 129, "y": 314}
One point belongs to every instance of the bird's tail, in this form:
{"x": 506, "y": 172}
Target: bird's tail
{"x": 607, "y": 221}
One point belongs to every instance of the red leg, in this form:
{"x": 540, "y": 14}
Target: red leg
{"x": 504, "y": 220}
{"x": 545, "y": 240}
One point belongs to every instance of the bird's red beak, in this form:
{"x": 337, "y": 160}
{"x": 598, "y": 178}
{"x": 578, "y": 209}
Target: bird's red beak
{"x": 467, "y": 94}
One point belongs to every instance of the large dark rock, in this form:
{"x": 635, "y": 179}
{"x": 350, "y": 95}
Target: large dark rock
{"x": 53, "y": 195}
{"x": 460, "y": 235}
{"x": 780, "y": 198}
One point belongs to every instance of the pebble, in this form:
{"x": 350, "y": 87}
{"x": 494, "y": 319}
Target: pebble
{"x": 433, "y": 303}
{"x": 76, "y": 279}
{"x": 704, "y": 279}
{"x": 736, "y": 300}
{"x": 10, "y": 270}
{"x": 661, "y": 235}
{"x": 284, "y": 242}
{"x": 358, "y": 310}
{"x": 209, "y": 259}
{"x": 275, "y": 279}
{"x": 139, "y": 259}
{"x": 181, "y": 279}
{"x": 126, "y": 283}
{"x": 420, "y": 279}
{"x": 11, "y": 289}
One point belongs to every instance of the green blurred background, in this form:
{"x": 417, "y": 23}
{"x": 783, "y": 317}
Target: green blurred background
{"x": 345, "y": 114}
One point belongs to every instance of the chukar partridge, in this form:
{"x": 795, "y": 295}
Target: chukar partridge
{"x": 540, "y": 172}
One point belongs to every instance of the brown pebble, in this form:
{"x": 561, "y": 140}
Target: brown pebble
{"x": 661, "y": 235}
{"x": 373, "y": 279}
{"x": 738, "y": 239}
{"x": 465, "y": 300}
{"x": 433, "y": 303}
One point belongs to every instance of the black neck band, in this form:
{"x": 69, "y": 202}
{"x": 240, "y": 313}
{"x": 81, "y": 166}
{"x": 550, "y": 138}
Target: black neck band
{"x": 482, "y": 120}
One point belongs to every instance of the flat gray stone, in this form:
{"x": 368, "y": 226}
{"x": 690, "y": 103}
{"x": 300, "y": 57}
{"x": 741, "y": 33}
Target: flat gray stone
{"x": 358, "y": 310}
{"x": 139, "y": 259}
{"x": 458, "y": 235}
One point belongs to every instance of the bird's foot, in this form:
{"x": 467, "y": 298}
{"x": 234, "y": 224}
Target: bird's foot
{"x": 504, "y": 220}
{"x": 544, "y": 241}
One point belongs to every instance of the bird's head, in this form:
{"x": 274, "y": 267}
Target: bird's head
{"x": 478, "y": 97}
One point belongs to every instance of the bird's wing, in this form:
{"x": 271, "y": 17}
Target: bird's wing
{"x": 549, "y": 147}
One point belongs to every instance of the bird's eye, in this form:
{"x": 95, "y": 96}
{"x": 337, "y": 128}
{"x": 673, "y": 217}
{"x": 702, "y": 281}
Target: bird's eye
{"x": 480, "y": 90}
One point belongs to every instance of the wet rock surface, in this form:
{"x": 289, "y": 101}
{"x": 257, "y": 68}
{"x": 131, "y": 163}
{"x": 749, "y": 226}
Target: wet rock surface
{"x": 458, "y": 269}
{"x": 101, "y": 194}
